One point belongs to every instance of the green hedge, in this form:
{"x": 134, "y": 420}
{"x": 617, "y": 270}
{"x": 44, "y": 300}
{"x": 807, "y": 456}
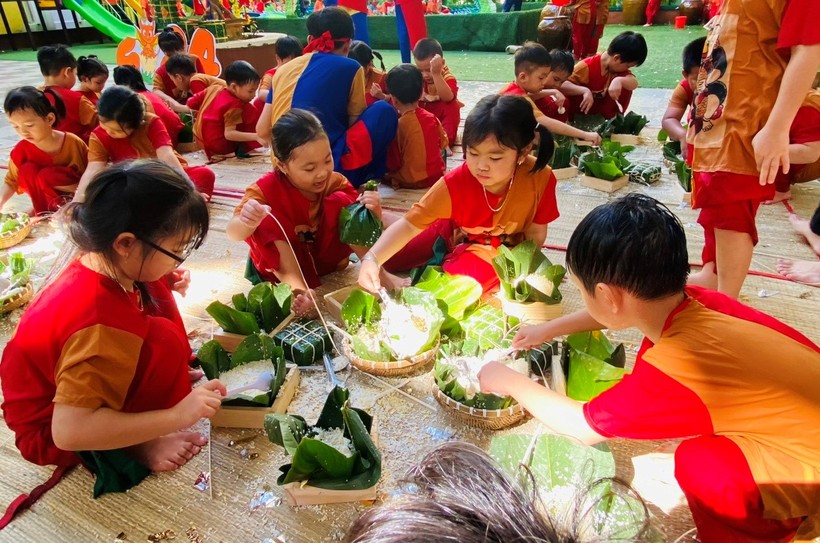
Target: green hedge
{"x": 475, "y": 32}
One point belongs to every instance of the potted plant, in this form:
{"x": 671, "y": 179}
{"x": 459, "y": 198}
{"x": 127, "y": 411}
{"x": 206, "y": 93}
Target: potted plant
{"x": 603, "y": 167}
{"x": 264, "y": 308}
{"x": 529, "y": 283}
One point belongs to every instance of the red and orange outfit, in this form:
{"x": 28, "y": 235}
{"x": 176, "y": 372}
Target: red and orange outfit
{"x": 588, "y": 26}
{"x": 143, "y": 143}
{"x": 744, "y": 389}
{"x": 92, "y": 96}
{"x": 310, "y": 225}
{"x": 652, "y": 8}
{"x": 163, "y": 82}
{"x": 591, "y": 74}
{"x": 732, "y": 104}
{"x": 86, "y": 342}
{"x": 267, "y": 79}
{"x": 459, "y": 198}
{"x": 804, "y": 129}
{"x": 448, "y": 113}
{"x": 374, "y": 76}
{"x": 156, "y": 105}
{"x": 80, "y": 114}
{"x": 682, "y": 95}
{"x": 217, "y": 109}
{"x": 41, "y": 175}
{"x": 414, "y": 159}
{"x": 514, "y": 89}
{"x": 201, "y": 82}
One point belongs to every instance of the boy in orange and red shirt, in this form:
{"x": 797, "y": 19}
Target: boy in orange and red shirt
{"x": 188, "y": 82}
{"x": 684, "y": 94}
{"x": 603, "y": 84}
{"x": 414, "y": 159}
{"x": 226, "y": 121}
{"x": 749, "y": 464}
{"x": 286, "y": 48}
{"x": 440, "y": 92}
{"x": 59, "y": 69}
{"x": 551, "y": 101}
{"x": 171, "y": 44}
{"x": 588, "y": 24}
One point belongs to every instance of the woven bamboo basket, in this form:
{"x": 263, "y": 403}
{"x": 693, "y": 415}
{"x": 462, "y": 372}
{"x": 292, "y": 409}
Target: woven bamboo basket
{"x": 421, "y": 363}
{"x": 531, "y": 312}
{"x": 10, "y": 239}
{"x": 486, "y": 419}
{"x": 19, "y": 300}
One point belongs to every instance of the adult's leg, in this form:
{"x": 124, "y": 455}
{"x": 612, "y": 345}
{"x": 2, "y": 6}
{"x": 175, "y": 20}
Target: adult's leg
{"x": 404, "y": 37}
{"x": 724, "y": 499}
{"x": 413, "y": 14}
{"x": 367, "y": 141}
{"x": 652, "y": 10}
{"x": 580, "y": 37}
{"x": 360, "y": 27}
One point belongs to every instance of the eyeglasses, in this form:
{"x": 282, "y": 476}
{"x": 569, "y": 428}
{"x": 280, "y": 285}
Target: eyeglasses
{"x": 186, "y": 252}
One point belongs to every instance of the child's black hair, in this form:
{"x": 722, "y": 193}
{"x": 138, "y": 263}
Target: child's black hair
{"x": 635, "y": 243}
{"x": 531, "y": 56}
{"x": 405, "y": 83}
{"x": 562, "y": 61}
{"x": 294, "y": 129}
{"x": 288, "y": 47}
{"x": 427, "y": 48}
{"x": 630, "y": 46}
{"x": 129, "y": 76}
{"x": 363, "y": 54}
{"x": 511, "y": 121}
{"x": 814, "y": 222}
{"x": 122, "y": 105}
{"x": 180, "y": 64}
{"x": 693, "y": 54}
{"x": 53, "y": 59}
{"x": 241, "y": 73}
{"x": 40, "y": 102}
{"x": 147, "y": 198}
{"x": 90, "y": 66}
{"x": 334, "y": 20}
{"x": 170, "y": 42}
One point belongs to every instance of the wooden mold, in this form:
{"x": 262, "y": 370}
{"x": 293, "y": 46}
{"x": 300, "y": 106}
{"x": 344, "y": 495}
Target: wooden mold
{"x": 626, "y": 139}
{"x": 254, "y": 417}
{"x": 565, "y": 173}
{"x": 229, "y": 340}
{"x": 335, "y": 299}
{"x": 603, "y": 184}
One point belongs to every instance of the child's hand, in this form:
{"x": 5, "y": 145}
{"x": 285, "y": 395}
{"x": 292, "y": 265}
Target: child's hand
{"x": 684, "y": 148}
{"x": 262, "y": 141}
{"x": 771, "y": 153}
{"x": 436, "y": 65}
{"x": 494, "y": 377}
{"x": 181, "y": 280}
{"x": 430, "y": 98}
{"x": 593, "y": 137}
{"x": 586, "y": 101}
{"x": 201, "y": 403}
{"x": 253, "y": 213}
{"x": 615, "y": 88}
{"x": 377, "y": 92}
{"x": 372, "y": 201}
{"x": 303, "y": 305}
{"x": 369, "y": 276}
{"x": 559, "y": 98}
{"x": 530, "y": 336}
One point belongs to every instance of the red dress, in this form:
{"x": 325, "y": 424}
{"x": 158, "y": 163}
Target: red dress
{"x": 173, "y": 124}
{"x": 80, "y": 114}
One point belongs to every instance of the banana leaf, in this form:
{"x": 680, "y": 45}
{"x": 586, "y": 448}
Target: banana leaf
{"x": 270, "y": 304}
{"x": 213, "y": 359}
{"x": 318, "y": 463}
{"x": 684, "y": 175}
{"x": 565, "y": 151}
{"x": 488, "y": 327}
{"x": 360, "y": 309}
{"x": 412, "y": 296}
{"x": 232, "y": 320}
{"x": 446, "y": 381}
{"x": 672, "y": 151}
{"x": 527, "y": 275}
{"x": 642, "y": 173}
{"x": 631, "y": 123}
{"x": 589, "y": 123}
{"x": 595, "y": 365}
{"x": 255, "y": 347}
{"x": 455, "y": 293}
{"x": 358, "y": 225}
{"x": 12, "y": 221}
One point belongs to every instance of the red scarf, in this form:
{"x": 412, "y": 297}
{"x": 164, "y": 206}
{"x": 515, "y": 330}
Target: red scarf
{"x": 323, "y": 44}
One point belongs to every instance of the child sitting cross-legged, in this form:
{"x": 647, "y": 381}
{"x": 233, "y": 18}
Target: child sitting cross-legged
{"x": 225, "y": 121}
{"x": 739, "y": 387}
{"x": 59, "y": 69}
{"x": 440, "y": 93}
{"x": 181, "y": 70}
{"x": 92, "y": 73}
{"x": 414, "y": 159}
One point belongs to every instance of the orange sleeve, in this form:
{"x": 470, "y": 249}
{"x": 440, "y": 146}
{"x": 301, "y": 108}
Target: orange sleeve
{"x": 253, "y": 192}
{"x": 96, "y": 367}
{"x": 97, "y": 151}
{"x": 74, "y": 154}
{"x": 266, "y": 81}
{"x": 88, "y": 112}
{"x": 444, "y": 141}
{"x": 356, "y": 102}
{"x": 434, "y": 205}
{"x": 11, "y": 177}
{"x": 233, "y": 118}
{"x": 157, "y": 83}
{"x": 340, "y": 183}
{"x": 679, "y": 98}
{"x": 580, "y": 75}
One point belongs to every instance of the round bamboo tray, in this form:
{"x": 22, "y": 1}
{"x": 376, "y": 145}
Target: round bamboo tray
{"x": 421, "y": 363}
{"x": 19, "y": 300}
{"x": 486, "y": 419}
{"x": 10, "y": 239}
{"x": 531, "y": 312}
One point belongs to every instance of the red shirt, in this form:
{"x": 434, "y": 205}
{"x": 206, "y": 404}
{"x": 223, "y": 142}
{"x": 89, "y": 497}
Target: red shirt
{"x": 163, "y": 81}
{"x": 414, "y": 158}
{"x": 217, "y": 108}
{"x": 92, "y": 96}
{"x": 80, "y": 114}
{"x": 173, "y": 124}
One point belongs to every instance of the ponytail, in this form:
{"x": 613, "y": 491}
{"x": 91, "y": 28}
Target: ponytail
{"x": 546, "y": 148}
{"x": 90, "y": 66}
{"x": 129, "y": 76}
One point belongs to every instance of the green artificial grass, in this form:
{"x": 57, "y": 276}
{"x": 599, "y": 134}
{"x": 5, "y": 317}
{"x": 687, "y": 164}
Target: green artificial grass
{"x": 662, "y": 68}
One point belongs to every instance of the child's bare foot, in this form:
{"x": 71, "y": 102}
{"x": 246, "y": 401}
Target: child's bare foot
{"x": 706, "y": 277}
{"x": 779, "y": 197}
{"x": 169, "y": 452}
{"x": 393, "y": 282}
{"x": 801, "y": 271}
{"x": 801, "y": 226}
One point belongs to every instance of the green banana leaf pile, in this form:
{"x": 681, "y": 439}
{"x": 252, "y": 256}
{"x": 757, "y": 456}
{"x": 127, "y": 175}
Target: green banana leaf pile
{"x": 264, "y": 308}
{"x": 358, "y": 225}
{"x": 15, "y": 273}
{"x": 631, "y": 123}
{"x": 606, "y": 162}
{"x": 673, "y": 154}
{"x": 320, "y": 464}
{"x": 10, "y": 222}
{"x": 456, "y": 296}
{"x": 527, "y": 275}
{"x": 589, "y": 123}
{"x": 566, "y": 150}
{"x": 215, "y": 361}
{"x": 595, "y": 365}
{"x": 489, "y": 327}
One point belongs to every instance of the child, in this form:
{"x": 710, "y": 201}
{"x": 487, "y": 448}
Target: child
{"x": 500, "y": 196}
{"x": 92, "y": 73}
{"x": 181, "y": 70}
{"x": 130, "y": 77}
{"x": 59, "y": 67}
{"x": 532, "y": 68}
{"x": 373, "y": 78}
{"x": 588, "y": 24}
{"x": 171, "y": 44}
{"x": 127, "y": 132}
{"x": 225, "y": 114}
{"x": 286, "y": 48}
{"x": 47, "y": 163}
{"x": 749, "y": 464}
{"x": 684, "y": 93}
{"x": 414, "y": 160}
{"x": 552, "y": 101}
{"x": 603, "y": 84}
{"x": 326, "y": 82}
{"x": 306, "y": 196}
{"x": 440, "y": 93}
{"x": 739, "y": 131}
{"x": 106, "y": 371}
